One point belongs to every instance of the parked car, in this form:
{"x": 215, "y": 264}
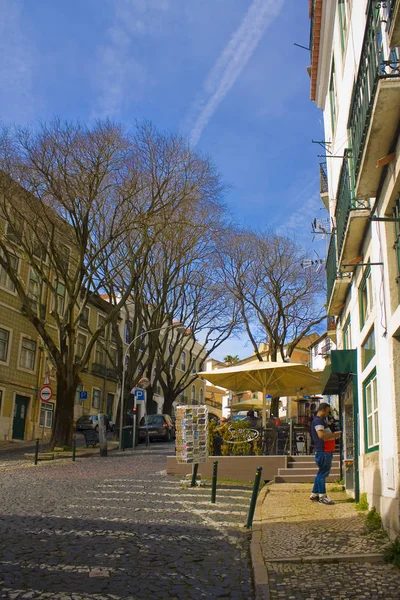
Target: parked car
{"x": 160, "y": 427}
{"x": 92, "y": 422}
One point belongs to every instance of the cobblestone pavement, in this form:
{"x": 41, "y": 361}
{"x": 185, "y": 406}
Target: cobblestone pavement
{"x": 119, "y": 527}
{"x": 293, "y": 527}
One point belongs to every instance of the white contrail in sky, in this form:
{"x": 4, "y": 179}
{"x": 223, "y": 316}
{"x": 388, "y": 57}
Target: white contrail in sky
{"x": 230, "y": 64}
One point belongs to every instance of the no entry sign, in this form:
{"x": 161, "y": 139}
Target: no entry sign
{"x": 45, "y": 393}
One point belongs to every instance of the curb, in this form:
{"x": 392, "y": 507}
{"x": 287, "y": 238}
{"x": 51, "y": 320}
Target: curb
{"x": 373, "y": 557}
{"x": 260, "y": 573}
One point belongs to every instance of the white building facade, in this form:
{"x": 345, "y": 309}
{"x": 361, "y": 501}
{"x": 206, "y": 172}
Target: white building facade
{"x": 355, "y": 81}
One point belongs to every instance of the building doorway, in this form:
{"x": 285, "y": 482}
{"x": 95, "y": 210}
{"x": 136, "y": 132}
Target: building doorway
{"x": 19, "y": 420}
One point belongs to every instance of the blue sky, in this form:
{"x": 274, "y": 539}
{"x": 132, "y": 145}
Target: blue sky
{"x": 224, "y": 73}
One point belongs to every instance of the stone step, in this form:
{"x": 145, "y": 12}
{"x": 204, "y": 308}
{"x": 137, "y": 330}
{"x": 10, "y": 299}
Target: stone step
{"x": 302, "y": 478}
{"x": 308, "y": 458}
{"x": 309, "y": 464}
{"x": 306, "y": 471}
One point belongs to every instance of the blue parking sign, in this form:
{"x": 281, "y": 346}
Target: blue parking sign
{"x": 139, "y": 394}
{"x": 82, "y": 395}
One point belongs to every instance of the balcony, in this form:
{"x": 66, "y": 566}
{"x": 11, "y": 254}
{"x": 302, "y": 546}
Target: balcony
{"x": 99, "y": 369}
{"x": 112, "y": 373}
{"x": 375, "y": 107}
{"x": 352, "y": 217}
{"x": 337, "y": 283}
{"x": 394, "y": 23}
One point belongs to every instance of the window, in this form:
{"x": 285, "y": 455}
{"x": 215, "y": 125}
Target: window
{"x": 96, "y": 398}
{"x": 201, "y": 396}
{"x": 183, "y": 361}
{"x": 128, "y": 329}
{"x": 365, "y": 297}
{"x": 396, "y": 215}
{"x": 84, "y": 318}
{"x": 15, "y": 230}
{"x": 34, "y": 286}
{"x": 100, "y": 324}
{"x": 113, "y": 333}
{"x": 193, "y": 393}
{"x": 60, "y": 298}
{"x": 27, "y": 356}
{"x": 194, "y": 367}
{"x": 46, "y": 414}
{"x": 142, "y": 340}
{"x": 99, "y": 356}
{"x": 371, "y": 415}
{"x": 5, "y": 280}
{"x": 344, "y": 11}
{"x": 368, "y": 349}
{"x": 4, "y": 341}
{"x": 347, "y": 335}
{"x": 333, "y": 97}
{"x": 80, "y": 345}
{"x": 64, "y": 257}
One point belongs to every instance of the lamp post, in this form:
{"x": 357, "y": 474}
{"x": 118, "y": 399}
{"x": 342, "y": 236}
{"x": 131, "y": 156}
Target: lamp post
{"x": 121, "y": 415}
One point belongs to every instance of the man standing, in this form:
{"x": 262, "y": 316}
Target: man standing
{"x": 324, "y": 447}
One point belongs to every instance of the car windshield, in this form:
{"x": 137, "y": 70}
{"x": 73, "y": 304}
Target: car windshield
{"x": 151, "y": 420}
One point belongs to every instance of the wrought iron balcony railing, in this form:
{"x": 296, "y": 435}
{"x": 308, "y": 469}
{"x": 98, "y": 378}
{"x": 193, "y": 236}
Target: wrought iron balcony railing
{"x": 373, "y": 67}
{"x": 331, "y": 267}
{"x": 390, "y": 5}
{"x": 323, "y": 178}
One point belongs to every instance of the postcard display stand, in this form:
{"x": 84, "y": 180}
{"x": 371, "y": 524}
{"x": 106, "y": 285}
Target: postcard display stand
{"x": 191, "y": 434}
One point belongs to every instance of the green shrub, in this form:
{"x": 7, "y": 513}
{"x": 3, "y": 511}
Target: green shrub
{"x": 373, "y": 521}
{"x": 392, "y": 553}
{"x": 363, "y": 503}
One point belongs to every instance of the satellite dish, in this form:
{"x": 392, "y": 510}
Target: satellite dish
{"x": 143, "y": 383}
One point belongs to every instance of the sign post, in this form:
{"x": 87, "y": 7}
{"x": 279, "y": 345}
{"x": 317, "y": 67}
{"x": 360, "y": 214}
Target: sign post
{"x": 139, "y": 395}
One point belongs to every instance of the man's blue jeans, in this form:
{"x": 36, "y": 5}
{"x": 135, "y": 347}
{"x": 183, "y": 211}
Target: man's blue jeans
{"x": 324, "y": 463}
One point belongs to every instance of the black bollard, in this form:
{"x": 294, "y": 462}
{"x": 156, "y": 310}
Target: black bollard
{"x": 194, "y": 474}
{"x": 36, "y": 451}
{"x": 73, "y": 448}
{"x": 214, "y": 482}
{"x": 254, "y": 497}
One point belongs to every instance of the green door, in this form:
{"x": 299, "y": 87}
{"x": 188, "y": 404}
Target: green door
{"x": 20, "y": 408}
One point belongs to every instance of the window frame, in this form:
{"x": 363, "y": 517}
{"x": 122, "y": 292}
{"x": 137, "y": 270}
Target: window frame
{"x": 333, "y": 96}
{"x": 21, "y": 367}
{"x": 96, "y": 389}
{"x": 4, "y": 286}
{"x": 84, "y": 324}
{"x": 346, "y": 334}
{"x": 365, "y": 297}
{"x": 80, "y": 335}
{"x": 182, "y": 362}
{"x": 45, "y": 410}
{"x": 368, "y": 338}
{"x": 371, "y": 381}
{"x": 6, "y": 362}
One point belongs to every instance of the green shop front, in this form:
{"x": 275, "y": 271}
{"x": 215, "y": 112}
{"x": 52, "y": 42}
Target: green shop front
{"x": 340, "y": 377}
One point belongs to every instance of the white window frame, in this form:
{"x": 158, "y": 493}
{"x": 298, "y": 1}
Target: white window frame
{"x": 80, "y": 335}
{"x": 103, "y": 335}
{"x": 34, "y": 297}
{"x": 95, "y": 389}
{"x": 5, "y": 287}
{"x": 6, "y": 362}
{"x": 22, "y": 368}
{"x": 371, "y": 416}
{"x": 46, "y": 411}
{"x": 182, "y": 363}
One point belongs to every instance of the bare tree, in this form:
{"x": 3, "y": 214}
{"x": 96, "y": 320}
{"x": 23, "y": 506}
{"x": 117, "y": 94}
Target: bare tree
{"x": 280, "y": 302}
{"x": 81, "y": 205}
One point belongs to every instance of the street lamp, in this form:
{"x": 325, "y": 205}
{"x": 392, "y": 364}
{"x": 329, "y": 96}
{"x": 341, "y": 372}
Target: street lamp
{"x": 178, "y": 326}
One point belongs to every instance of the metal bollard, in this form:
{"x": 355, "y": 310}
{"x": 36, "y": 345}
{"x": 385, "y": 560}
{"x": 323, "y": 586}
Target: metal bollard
{"x": 73, "y": 448}
{"x": 194, "y": 474}
{"x": 214, "y": 482}
{"x": 254, "y": 497}
{"x": 36, "y": 451}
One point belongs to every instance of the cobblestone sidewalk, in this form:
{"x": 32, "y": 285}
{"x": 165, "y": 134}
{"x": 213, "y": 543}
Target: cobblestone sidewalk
{"x": 297, "y": 535}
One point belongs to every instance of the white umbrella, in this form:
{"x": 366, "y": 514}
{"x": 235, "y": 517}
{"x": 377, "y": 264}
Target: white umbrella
{"x": 276, "y": 379}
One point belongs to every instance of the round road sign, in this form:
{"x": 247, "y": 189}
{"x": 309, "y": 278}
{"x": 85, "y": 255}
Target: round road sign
{"x": 45, "y": 393}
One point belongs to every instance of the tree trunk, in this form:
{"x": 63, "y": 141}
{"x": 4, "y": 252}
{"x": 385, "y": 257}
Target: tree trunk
{"x": 168, "y": 401}
{"x": 64, "y": 415}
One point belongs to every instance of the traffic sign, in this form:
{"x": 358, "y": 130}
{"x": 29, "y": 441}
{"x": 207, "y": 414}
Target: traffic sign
{"x": 139, "y": 394}
{"x": 82, "y": 395}
{"x": 45, "y": 393}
